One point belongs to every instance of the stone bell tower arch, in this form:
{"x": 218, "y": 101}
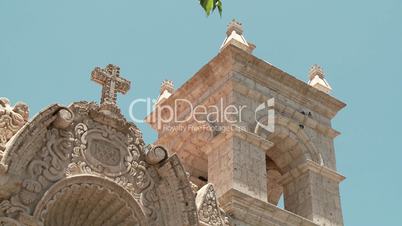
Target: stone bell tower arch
{"x": 255, "y": 156}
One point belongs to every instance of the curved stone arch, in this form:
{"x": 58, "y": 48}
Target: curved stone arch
{"x": 274, "y": 187}
{"x": 176, "y": 198}
{"x": 196, "y": 136}
{"x": 292, "y": 145}
{"x": 88, "y": 200}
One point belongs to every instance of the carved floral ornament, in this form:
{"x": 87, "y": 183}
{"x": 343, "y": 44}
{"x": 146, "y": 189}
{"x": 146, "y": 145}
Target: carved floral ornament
{"x": 105, "y": 151}
{"x": 209, "y": 213}
{"x": 95, "y": 153}
{"x": 12, "y": 119}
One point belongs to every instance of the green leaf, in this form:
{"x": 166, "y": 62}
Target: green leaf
{"x": 207, "y": 5}
{"x": 219, "y": 5}
{"x": 210, "y": 6}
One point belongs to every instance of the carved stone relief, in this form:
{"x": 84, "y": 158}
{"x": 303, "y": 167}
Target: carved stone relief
{"x": 71, "y": 147}
{"x": 12, "y": 119}
{"x": 102, "y": 150}
{"x": 209, "y": 213}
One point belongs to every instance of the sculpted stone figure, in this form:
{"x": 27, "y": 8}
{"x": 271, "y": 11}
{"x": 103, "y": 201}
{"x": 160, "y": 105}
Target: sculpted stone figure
{"x": 11, "y": 120}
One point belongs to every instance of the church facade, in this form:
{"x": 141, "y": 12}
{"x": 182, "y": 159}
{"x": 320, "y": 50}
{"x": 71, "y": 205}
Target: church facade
{"x": 235, "y": 138}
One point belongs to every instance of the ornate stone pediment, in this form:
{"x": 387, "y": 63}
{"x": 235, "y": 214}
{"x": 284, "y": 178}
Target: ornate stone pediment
{"x": 63, "y": 143}
{"x": 75, "y": 142}
{"x": 86, "y": 163}
{"x": 103, "y": 150}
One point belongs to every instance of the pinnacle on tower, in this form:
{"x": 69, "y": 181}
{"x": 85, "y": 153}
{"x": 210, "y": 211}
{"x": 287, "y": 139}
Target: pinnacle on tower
{"x": 234, "y": 36}
{"x": 234, "y": 26}
{"x": 168, "y": 86}
{"x": 317, "y": 79}
{"x": 167, "y": 89}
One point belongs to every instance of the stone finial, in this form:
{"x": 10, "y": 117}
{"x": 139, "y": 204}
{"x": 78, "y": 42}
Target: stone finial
{"x": 234, "y": 36}
{"x": 167, "y": 89}
{"x": 316, "y": 70}
{"x": 12, "y": 119}
{"x": 317, "y": 79}
{"x": 234, "y": 26}
{"x": 168, "y": 86}
{"x": 64, "y": 118}
{"x": 111, "y": 82}
{"x": 155, "y": 154}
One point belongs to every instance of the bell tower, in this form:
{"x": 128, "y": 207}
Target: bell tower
{"x": 256, "y": 133}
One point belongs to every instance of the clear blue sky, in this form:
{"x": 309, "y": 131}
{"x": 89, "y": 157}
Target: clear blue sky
{"x": 48, "y": 49}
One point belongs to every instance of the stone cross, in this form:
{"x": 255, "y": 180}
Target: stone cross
{"x": 111, "y": 82}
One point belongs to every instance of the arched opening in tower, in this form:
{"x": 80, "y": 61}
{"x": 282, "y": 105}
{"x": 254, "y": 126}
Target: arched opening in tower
{"x": 274, "y": 188}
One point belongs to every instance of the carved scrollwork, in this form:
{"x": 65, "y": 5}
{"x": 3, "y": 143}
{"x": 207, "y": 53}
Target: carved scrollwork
{"x": 12, "y": 208}
{"x": 102, "y": 150}
{"x": 63, "y": 119}
{"x": 14, "y": 213}
{"x": 209, "y": 212}
{"x": 48, "y": 166}
{"x": 12, "y": 119}
{"x": 80, "y": 143}
{"x": 6, "y": 221}
{"x": 155, "y": 154}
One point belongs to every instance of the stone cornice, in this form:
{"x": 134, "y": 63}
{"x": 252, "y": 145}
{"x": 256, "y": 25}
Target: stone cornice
{"x": 288, "y": 112}
{"x": 276, "y": 79}
{"x": 256, "y": 212}
{"x": 213, "y": 76}
{"x": 214, "y": 70}
{"x": 312, "y": 167}
{"x": 233, "y": 59}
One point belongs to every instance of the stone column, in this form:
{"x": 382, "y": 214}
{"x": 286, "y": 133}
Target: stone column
{"x": 312, "y": 191}
{"x": 236, "y": 160}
